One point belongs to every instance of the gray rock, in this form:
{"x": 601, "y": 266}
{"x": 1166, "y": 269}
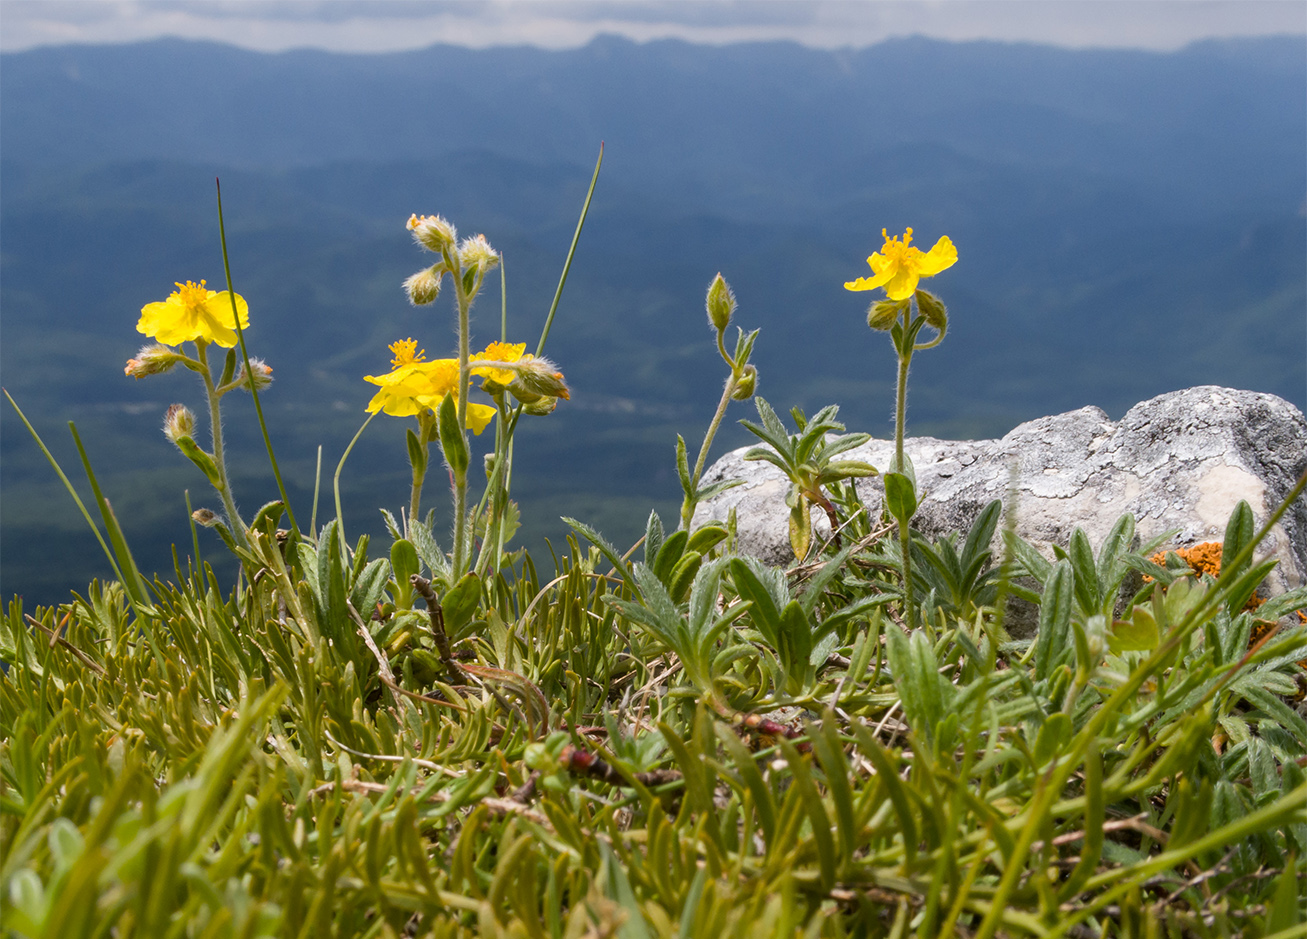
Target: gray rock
{"x": 1179, "y": 461}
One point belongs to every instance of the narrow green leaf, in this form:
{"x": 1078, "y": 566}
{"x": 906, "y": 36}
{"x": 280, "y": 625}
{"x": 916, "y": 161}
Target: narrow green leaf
{"x": 900, "y": 497}
{"x": 653, "y": 537}
{"x": 1051, "y": 645}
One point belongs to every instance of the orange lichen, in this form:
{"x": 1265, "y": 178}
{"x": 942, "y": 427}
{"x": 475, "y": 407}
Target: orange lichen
{"x": 1205, "y": 558}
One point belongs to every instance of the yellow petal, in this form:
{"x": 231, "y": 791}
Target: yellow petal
{"x": 938, "y": 258}
{"x": 478, "y": 416}
{"x": 902, "y": 284}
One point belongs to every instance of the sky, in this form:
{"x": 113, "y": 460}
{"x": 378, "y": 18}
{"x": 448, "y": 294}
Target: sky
{"x": 394, "y": 25}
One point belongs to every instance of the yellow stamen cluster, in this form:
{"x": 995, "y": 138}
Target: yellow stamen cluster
{"x": 406, "y": 351}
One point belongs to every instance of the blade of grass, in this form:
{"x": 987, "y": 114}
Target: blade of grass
{"x": 67, "y": 485}
{"x": 249, "y": 374}
{"x": 335, "y": 481}
{"x": 132, "y": 581}
{"x": 567, "y": 265}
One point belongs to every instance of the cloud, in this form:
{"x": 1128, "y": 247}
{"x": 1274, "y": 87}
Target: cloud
{"x": 394, "y": 25}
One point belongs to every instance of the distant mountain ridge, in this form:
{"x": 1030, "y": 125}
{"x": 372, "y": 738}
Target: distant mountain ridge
{"x": 760, "y": 108}
{"x": 1128, "y": 223}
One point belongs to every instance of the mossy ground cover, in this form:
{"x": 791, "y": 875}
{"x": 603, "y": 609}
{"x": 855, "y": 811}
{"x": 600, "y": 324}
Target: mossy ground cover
{"x": 670, "y": 740}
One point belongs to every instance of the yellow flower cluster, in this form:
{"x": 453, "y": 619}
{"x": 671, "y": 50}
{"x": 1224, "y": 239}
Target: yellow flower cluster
{"x": 414, "y": 385}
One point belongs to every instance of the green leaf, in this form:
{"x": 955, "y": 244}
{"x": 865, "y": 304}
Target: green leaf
{"x": 795, "y": 638}
{"x": 459, "y": 605}
{"x": 452, "y": 440}
{"x": 200, "y": 458}
{"x": 900, "y": 497}
{"x": 653, "y": 537}
{"x": 1082, "y": 562}
{"x": 706, "y": 538}
{"x": 683, "y": 468}
{"x": 800, "y": 528}
{"x": 1137, "y": 634}
{"x": 1111, "y": 569}
{"x": 369, "y": 587}
{"x": 682, "y": 575}
{"x": 417, "y": 453}
{"x": 1051, "y": 645}
{"x": 605, "y": 548}
{"x": 1284, "y": 906}
{"x": 888, "y": 772}
{"x": 707, "y": 492}
{"x": 981, "y": 534}
{"x": 1239, "y": 533}
{"x": 669, "y": 554}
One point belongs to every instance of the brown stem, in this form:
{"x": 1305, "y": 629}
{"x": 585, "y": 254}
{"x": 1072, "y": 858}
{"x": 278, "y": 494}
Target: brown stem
{"x": 455, "y": 671}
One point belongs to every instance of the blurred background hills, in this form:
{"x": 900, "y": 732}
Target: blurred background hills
{"x": 1128, "y": 223}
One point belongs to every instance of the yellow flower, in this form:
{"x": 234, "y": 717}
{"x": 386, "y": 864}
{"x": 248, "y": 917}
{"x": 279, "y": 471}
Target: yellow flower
{"x": 899, "y": 266}
{"x": 192, "y": 313}
{"x": 414, "y": 386}
{"x": 499, "y": 352}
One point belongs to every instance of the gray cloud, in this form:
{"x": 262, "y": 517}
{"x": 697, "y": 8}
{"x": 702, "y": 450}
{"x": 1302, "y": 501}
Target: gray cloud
{"x": 393, "y": 25}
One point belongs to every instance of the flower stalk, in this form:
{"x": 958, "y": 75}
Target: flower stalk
{"x": 740, "y": 386}
{"x": 899, "y": 267}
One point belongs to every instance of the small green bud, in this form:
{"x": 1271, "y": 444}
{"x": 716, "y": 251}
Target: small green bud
{"x": 178, "y": 422}
{"x": 748, "y": 383}
{"x": 424, "y": 286}
{"x": 152, "y": 360}
{"x": 720, "y": 303}
{"x": 541, "y": 406}
{"x": 538, "y": 377}
{"x": 882, "y": 314}
{"x": 476, "y": 253}
{"x": 432, "y": 232}
{"x": 933, "y": 309}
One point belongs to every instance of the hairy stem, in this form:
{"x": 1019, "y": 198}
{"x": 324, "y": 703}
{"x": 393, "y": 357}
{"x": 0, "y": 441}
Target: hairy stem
{"x": 900, "y": 421}
{"x": 215, "y": 427}
{"x": 687, "y": 507}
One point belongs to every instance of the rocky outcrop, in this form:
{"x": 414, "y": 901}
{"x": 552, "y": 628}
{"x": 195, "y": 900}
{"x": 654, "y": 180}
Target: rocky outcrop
{"x": 1178, "y": 461}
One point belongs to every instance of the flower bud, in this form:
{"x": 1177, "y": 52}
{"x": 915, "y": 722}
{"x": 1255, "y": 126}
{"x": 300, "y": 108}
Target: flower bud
{"x": 541, "y": 406}
{"x": 432, "y": 232}
{"x": 748, "y": 382}
{"x": 476, "y": 253}
{"x": 720, "y": 303}
{"x": 262, "y": 372}
{"x": 489, "y": 461}
{"x": 540, "y": 377}
{"x": 178, "y": 422}
{"x": 205, "y": 517}
{"x": 152, "y": 360}
{"x": 424, "y": 286}
{"x": 883, "y": 313}
{"x": 933, "y": 309}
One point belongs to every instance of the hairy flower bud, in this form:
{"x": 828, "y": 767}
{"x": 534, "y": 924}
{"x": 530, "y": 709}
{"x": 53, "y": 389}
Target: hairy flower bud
{"x": 205, "y": 517}
{"x": 432, "y": 232}
{"x": 541, "y": 406}
{"x": 476, "y": 253}
{"x": 152, "y": 360}
{"x": 424, "y": 286}
{"x": 882, "y": 314}
{"x": 540, "y": 377}
{"x": 262, "y": 372}
{"x": 720, "y": 303}
{"x": 178, "y": 422}
{"x": 933, "y": 309}
{"x": 748, "y": 383}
